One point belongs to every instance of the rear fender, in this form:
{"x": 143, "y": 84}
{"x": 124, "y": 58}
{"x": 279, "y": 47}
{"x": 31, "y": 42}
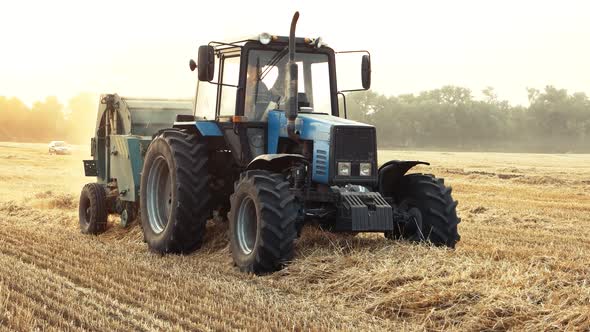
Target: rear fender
{"x": 204, "y": 128}
{"x": 208, "y": 131}
{"x": 392, "y": 171}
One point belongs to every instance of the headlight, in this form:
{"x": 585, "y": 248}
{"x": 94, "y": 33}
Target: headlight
{"x": 365, "y": 169}
{"x": 264, "y": 38}
{"x": 344, "y": 169}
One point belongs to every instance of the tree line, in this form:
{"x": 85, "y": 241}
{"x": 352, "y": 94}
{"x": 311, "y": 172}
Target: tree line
{"x": 49, "y": 119}
{"x": 451, "y": 118}
{"x": 446, "y": 118}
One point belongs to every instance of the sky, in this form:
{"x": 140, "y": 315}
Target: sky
{"x": 142, "y": 48}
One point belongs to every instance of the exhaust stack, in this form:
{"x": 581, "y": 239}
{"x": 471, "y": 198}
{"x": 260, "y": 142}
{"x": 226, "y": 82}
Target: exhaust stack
{"x": 292, "y": 84}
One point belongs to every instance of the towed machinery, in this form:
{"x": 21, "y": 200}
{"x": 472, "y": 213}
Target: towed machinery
{"x": 265, "y": 142}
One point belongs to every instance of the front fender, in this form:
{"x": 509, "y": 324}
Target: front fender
{"x": 274, "y": 162}
{"x": 392, "y": 171}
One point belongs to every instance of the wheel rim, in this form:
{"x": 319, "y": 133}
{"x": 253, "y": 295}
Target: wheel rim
{"x": 159, "y": 195}
{"x": 247, "y": 225}
{"x": 413, "y": 229}
{"x": 416, "y": 224}
{"x": 124, "y": 218}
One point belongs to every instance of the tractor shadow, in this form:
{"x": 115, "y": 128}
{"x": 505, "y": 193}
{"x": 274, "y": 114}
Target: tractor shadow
{"x": 312, "y": 238}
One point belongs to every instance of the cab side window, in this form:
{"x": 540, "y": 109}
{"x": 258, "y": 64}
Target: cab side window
{"x": 231, "y": 74}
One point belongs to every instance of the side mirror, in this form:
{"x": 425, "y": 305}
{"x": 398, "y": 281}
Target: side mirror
{"x": 366, "y": 72}
{"x": 206, "y": 67}
{"x": 192, "y": 65}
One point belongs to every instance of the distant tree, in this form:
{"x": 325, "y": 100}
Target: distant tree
{"x": 46, "y": 120}
{"x": 449, "y": 118}
{"x": 13, "y": 114}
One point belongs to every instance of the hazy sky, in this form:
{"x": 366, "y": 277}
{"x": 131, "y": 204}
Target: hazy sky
{"x": 142, "y": 48}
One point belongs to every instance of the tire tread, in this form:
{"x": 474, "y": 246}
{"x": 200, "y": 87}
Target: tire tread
{"x": 192, "y": 208}
{"x": 277, "y": 221}
{"x": 434, "y": 200}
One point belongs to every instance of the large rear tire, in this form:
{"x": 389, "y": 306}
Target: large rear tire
{"x": 262, "y": 222}
{"x": 434, "y": 210}
{"x": 174, "y": 193}
{"x": 92, "y": 210}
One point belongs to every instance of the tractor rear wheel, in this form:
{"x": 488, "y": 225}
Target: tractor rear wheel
{"x": 174, "y": 195}
{"x": 92, "y": 211}
{"x": 430, "y": 202}
{"x": 262, "y": 222}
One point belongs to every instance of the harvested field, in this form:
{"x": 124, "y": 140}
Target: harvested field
{"x": 523, "y": 262}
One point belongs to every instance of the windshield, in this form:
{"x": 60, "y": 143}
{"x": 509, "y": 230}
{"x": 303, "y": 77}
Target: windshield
{"x": 59, "y": 144}
{"x": 265, "y": 84}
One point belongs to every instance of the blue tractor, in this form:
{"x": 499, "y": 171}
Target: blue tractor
{"x": 266, "y": 144}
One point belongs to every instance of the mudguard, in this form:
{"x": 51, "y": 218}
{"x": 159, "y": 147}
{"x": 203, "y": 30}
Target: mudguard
{"x": 204, "y": 128}
{"x": 392, "y": 171}
{"x": 274, "y": 162}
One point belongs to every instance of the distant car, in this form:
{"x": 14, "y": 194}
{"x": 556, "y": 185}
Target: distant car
{"x": 59, "y": 147}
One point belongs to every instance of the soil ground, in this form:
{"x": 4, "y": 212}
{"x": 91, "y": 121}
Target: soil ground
{"x": 523, "y": 261}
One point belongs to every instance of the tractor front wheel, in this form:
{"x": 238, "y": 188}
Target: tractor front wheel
{"x": 433, "y": 210}
{"x": 174, "y": 195}
{"x": 262, "y": 222}
{"x": 92, "y": 211}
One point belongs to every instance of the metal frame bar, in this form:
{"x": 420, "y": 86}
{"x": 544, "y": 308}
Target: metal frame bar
{"x": 220, "y": 83}
{"x": 343, "y": 103}
{"x": 351, "y": 90}
{"x": 358, "y": 51}
{"x": 277, "y": 46}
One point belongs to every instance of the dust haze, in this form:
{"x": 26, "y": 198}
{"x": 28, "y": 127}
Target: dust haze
{"x": 448, "y": 118}
{"x": 49, "y": 119}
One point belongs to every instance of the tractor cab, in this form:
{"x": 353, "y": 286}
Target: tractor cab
{"x": 243, "y": 88}
{"x": 248, "y": 78}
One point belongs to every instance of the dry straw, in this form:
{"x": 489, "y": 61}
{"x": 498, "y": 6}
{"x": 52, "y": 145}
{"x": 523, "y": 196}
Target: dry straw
{"x": 522, "y": 263}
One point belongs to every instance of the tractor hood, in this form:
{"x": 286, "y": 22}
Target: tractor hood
{"x": 311, "y": 126}
{"x": 334, "y": 139}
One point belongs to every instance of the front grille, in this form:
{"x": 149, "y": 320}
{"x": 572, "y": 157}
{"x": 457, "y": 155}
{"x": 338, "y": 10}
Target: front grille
{"x": 354, "y": 143}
